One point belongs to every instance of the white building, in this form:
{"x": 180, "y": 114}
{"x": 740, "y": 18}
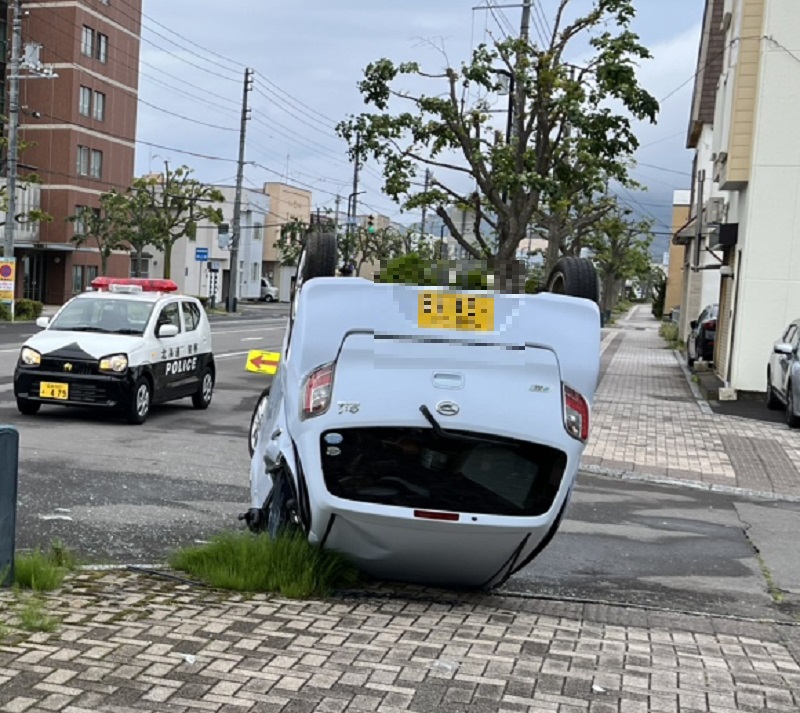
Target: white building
{"x": 755, "y": 168}
{"x": 193, "y": 275}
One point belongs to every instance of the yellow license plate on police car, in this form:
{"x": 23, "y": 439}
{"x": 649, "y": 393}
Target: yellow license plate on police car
{"x": 443, "y": 310}
{"x": 53, "y": 390}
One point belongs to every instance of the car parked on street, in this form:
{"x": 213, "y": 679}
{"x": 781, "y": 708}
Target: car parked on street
{"x": 783, "y": 375}
{"x": 703, "y": 334}
{"x": 430, "y": 434}
{"x": 269, "y": 293}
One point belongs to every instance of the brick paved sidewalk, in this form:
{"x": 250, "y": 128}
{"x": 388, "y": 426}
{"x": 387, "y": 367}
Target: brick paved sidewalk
{"x": 648, "y": 423}
{"x": 131, "y": 643}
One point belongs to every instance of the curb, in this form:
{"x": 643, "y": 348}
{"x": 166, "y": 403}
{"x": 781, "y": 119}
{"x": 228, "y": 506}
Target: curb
{"x": 695, "y": 389}
{"x": 632, "y": 476}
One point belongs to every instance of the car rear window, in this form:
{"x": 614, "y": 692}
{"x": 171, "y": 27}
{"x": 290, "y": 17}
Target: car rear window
{"x": 415, "y": 468}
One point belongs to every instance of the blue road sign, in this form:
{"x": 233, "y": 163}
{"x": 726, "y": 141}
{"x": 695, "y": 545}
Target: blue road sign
{"x": 201, "y": 254}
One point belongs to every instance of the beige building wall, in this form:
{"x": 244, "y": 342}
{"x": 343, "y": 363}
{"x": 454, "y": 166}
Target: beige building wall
{"x": 287, "y": 203}
{"x": 681, "y": 212}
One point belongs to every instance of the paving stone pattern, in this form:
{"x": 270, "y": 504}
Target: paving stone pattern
{"x": 129, "y": 643}
{"x": 647, "y": 421}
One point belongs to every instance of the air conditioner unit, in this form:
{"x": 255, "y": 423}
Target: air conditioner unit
{"x": 716, "y": 210}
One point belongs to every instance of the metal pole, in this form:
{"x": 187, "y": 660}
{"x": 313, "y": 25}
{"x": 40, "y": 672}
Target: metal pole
{"x": 525, "y": 25}
{"x": 9, "y": 466}
{"x": 354, "y": 196}
{"x": 233, "y": 287}
{"x": 13, "y": 135}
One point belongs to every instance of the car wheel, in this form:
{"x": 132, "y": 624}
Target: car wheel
{"x": 27, "y": 407}
{"x": 791, "y": 417}
{"x": 269, "y": 298}
{"x": 317, "y": 259}
{"x": 574, "y": 276}
{"x": 201, "y": 399}
{"x": 257, "y": 419}
{"x": 139, "y": 407}
{"x": 773, "y": 402}
{"x": 689, "y": 358}
{"x": 281, "y": 507}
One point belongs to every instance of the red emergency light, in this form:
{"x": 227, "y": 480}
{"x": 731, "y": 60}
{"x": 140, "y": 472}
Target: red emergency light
{"x": 147, "y": 284}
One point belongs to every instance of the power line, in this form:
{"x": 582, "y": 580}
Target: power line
{"x": 185, "y": 118}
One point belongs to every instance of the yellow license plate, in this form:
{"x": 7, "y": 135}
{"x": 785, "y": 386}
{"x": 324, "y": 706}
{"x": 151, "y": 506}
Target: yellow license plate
{"x": 53, "y": 390}
{"x": 442, "y": 310}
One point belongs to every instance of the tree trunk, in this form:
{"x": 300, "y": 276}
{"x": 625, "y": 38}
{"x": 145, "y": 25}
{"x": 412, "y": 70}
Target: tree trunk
{"x": 167, "y": 259}
{"x": 553, "y": 253}
{"x": 103, "y": 263}
{"x": 509, "y": 276}
{"x": 137, "y": 271}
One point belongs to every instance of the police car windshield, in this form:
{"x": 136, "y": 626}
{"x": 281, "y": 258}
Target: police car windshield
{"x": 109, "y": 316}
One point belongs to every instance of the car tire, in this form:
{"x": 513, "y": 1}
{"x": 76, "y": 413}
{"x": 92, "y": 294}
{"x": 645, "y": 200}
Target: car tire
{"x": 256, "y": 419}
{"x": 773, "y": 402}
{"x": 320, "y": 256}
{"x": 27, "y": 407}
{"x": 792, "y": 420}
{"x": 139, "y": 408}
{"x": 201, "y": 399}
{"x": 574, "y": 276}
{"x": 269, "y": 298}
{"x": 281, "y": 507}
{"x": 689, "y": 359}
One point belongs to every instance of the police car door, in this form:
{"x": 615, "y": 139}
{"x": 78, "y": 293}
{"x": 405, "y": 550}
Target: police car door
{"x": 174, "y": 374}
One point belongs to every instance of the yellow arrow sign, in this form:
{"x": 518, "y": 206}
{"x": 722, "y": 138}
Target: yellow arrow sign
{"x": 262, "y": 362}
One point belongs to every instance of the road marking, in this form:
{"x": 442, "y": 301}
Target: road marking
{"x": 11, "y": 351}
{"x": 248, "y": 331}
{"x": 251, "y": 339}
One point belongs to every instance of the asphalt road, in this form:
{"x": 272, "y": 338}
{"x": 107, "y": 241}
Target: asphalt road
{"x": 125, "y": 494}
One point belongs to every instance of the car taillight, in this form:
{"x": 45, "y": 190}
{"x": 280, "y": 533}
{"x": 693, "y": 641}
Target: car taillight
{"x": 710, "y": 325}
{"x": 576, "y": 414}
{"x": 317, "y": 391}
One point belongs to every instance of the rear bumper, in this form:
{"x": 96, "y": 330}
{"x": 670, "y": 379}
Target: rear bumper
{"x": 97, "y": 391}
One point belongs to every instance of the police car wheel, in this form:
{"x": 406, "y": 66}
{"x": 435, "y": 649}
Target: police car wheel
{"x": 201, "y": 399}
{"x": 28, "y": 408}
{"x": 139, "y": 407}
{"x": 257, "y": 419}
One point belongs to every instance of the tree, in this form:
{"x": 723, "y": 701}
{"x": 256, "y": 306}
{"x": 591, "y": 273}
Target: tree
{"x": 105, "y": 226}
{"x": 165, "y": 209}
{"x": 565, "y": 143}
{"x": 621, "y": 251}
{"x": 290, "y": 242}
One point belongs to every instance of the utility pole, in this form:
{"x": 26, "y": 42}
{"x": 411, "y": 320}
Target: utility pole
{"x": 13, "y": 132}
{"x": 425, "y": 207}
{"x": 525, "y": 26}
{"x": 352, "y": 207}
{"x": 233, "y": 287}
{"x": 336, "y": 216}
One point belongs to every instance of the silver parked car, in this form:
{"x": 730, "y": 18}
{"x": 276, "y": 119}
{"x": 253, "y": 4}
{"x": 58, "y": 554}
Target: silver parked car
{"x": 783, "y": 375}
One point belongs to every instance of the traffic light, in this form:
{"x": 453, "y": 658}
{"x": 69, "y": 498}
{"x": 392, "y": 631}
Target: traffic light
{"x": 370, "y": 224}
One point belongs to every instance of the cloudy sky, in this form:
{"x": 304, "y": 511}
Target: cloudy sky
{"x": 308, "y": 56}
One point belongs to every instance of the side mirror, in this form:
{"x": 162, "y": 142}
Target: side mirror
{"x": 42, "y": 322}
{"x": 784, "y": 349}
{"x": 167, "y": 330}
{"x": 693, "y": 324}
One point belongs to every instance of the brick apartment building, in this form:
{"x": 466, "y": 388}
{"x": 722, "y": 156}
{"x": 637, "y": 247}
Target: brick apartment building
{"x": 83, "y": 132}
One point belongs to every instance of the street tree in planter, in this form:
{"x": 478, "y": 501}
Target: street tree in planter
{"x": 165, "y": 209}
{"x": 565, "y": 141}
{"x": 621, "y": 251}
{"x": 105, "y": 227}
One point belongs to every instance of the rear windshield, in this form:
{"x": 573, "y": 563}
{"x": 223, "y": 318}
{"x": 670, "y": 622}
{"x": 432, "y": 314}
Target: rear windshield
{"x": 415, "y": 468}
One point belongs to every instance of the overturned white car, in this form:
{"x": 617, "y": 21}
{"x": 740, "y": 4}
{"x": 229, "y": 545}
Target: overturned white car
{"x": 431, "y": 435}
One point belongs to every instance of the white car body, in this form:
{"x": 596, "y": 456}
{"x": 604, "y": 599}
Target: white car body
{"x": 505, "y": 383}
{"x": 269, "y": 293}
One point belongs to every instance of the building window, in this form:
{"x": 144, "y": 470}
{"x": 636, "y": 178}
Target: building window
{"x": 99, "y": 106}
{"x": 87, "y": 41}
{"x": 91, "y": 273}
{"x": 145, "y": 265}
{"x": 96, "y": 168}
{"x": 80, "y": 225}
{"x": 85, "y": 101}
{"x": 83, "y": 160}
{"x": 102, "y": 47}
{"x": 254, "y": 272}
{"x": 258, "y": 231}
{"x": 77, "y": 278}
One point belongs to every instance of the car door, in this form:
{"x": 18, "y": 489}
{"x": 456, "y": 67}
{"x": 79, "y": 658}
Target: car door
{"x": 197, "y": 344}
{"x": 791, "y": 337}
{"x": 171, "y": 371}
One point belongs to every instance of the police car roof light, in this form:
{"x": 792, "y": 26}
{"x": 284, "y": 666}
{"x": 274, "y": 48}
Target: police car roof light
{"x": 125, "y": 289}
{"x": 144, "y": 284}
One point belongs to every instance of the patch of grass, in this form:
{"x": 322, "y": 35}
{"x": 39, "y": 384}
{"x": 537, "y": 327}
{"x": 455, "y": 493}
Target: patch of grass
{"x": 772, "y": 588}
{"x": 669, "y": 333}
{"x": 33, "y": 616}
{"x": 43, "y": 571}
{"x": 288, "y": 565}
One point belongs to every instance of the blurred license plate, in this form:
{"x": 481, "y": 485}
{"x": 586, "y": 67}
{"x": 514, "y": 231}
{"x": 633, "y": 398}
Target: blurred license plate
{"x": 438, "y": 310}
{"x": 53, "y": 390}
